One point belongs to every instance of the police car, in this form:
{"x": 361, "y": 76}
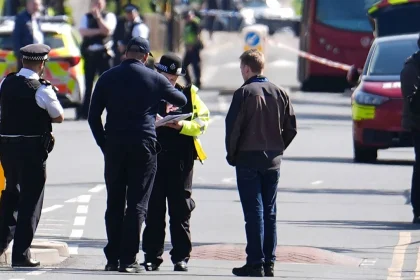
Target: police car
{"x": 65, "y": 66}
{"x": 377, "y": 101}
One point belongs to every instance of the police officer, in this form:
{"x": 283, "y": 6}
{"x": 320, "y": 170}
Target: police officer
{"x": 193, "y": 47}
{"x": 28, "y": 107}
{"x": 180, "y": 147}
{"x": 130, "y": 93}
{"x": 96, "y": 28}
{"x": 130, "y": 26}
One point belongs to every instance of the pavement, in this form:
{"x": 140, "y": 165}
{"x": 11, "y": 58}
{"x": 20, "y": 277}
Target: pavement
{"x": 336, "y": 219}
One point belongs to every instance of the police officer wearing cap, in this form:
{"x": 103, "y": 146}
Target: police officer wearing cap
{"x": 130, "y": 93}
{"x": 129, "y": 26}
{"x": 180, "y": 148}
{"x": 29, "y": 106}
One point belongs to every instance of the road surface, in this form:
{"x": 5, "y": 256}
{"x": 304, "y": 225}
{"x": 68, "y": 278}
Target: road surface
{"x": 336, "y": 219}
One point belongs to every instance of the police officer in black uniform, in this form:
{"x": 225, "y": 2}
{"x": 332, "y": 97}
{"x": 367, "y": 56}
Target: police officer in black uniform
{"x": 96, "y": 28}
{"x": 130, "y": 93}
{"x": 29, "y": 106}
{"x": 175, "y": 173}
{"x": 129, "y": 26}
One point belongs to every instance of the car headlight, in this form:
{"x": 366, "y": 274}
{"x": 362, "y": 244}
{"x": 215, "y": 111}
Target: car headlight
{"x": 364, "y": 98}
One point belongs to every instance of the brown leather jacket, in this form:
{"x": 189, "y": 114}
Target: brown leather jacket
{"x": 260, "y": 124}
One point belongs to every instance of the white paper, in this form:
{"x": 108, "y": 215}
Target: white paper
{"x": 172, "y": 118}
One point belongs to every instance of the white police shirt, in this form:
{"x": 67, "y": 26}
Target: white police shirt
{"x": 110, "y": 21}
{"x": 140, "y": 30}
{"x": 45, "y": 96}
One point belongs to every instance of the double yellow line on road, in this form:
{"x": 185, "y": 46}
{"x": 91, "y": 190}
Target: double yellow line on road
{"x": 398, "y": 257}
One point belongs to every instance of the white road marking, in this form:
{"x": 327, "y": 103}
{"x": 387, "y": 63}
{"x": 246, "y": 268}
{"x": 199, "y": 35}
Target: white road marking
{"x": 74, "y": 250}
{"x": 76, "y": 233}
{"x": 228, "y": 180}
{"x": 317, "y": 182}
{"x": 398, "y": 256}
{"x": 51, "y": 208}
{"x": 368, "y": 262}
{"x": 79, "y": 221}
{"x": 417, "y": 275}
{"x": 38, "y": 272}
{"x": 97, "y": 189}
{"x": 81, "y": 199}
{"x": 82, "y": 209}
{"x": 215, "y": 118}
{"x": 16, "y": 279}
{"x": 222, "y": 104}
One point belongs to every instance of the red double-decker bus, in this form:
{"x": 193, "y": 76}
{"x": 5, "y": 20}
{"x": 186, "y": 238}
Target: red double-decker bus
{"x": 336, "y": 30}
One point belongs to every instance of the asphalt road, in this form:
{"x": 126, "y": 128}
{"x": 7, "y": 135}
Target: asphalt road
{"x": 336, "y": 219}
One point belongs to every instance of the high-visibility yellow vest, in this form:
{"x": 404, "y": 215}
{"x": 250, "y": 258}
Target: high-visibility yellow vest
{"x": 199, "y": 122}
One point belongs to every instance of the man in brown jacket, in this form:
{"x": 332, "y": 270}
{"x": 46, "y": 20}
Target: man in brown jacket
{"x": 260, "y": 125}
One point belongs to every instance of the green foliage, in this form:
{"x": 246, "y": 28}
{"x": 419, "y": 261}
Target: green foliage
{"x": 297, "y": 6}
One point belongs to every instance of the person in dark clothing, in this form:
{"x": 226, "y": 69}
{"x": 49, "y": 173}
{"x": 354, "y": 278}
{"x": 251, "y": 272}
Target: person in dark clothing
{"x": 27, "y": 29}
{"x": 193, "y": 46}
{"x": 260, "y": 125}
{"x": 130, "y": 93}
{"x": 180, "y": 148}
{"x": 410, "y": 84}
{"x": 96, "y": 28}
{"x": 129, "y": 26}
{"x": 29, "y": 106}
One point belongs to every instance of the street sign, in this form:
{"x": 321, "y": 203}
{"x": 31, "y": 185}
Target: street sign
{"x": 252, "y": 39}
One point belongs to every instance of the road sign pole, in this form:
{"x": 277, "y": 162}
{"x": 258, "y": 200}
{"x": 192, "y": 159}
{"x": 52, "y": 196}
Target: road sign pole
{"x": 255, "y": 37}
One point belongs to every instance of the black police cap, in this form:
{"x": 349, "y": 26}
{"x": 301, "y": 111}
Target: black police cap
{"x": 130, "y": 8}
{"x": 172, "y": 64}
{"x": 35, "y": 52}
{"x": 139, "y": 44}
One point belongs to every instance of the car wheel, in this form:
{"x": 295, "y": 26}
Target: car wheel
{"x": 363, "y": 154}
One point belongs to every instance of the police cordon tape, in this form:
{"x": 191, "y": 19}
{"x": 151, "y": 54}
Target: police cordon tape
{"x": 318, "y": 59}
{"x": 214, "y": 12}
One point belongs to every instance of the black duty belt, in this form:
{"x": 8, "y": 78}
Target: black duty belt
{"x": 20, "y": 139}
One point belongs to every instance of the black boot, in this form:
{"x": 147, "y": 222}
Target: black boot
{"x": 249, "y": 270}
{"x": 181, "y": 266}
{"x": 132, "y": 268}
{"x": 269, "y": 269}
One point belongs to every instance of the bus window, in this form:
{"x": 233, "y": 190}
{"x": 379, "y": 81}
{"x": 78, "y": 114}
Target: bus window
{"x": 346, "y": 15}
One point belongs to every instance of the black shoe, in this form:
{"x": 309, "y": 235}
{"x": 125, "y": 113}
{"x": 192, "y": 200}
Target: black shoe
{"x": 416, "y": 220}
{"x": 269, "y": 269}
{"x": 181, "y": 266}
{"x": 249, "y": 270}
{"x": 26, "y": 263}
{"x": 132, "y": 268}
{"x": 111, "y": 267}
{"x": 150, "y": 266}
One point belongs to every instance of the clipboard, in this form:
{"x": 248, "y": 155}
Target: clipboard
{"x": 172, "y": 118}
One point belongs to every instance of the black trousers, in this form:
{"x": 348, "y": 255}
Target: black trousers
{"x": 129, "y": 175}
{"x": 193, "y": 57}
{"x": 94, "y": 63}
{"x": 24, "y": 165}
{"x": 173, "y": 183}
{"x": 415, "y": 184}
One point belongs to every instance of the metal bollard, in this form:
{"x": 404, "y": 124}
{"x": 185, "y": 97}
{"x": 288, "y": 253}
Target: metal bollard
{"x": 255, "y": 37}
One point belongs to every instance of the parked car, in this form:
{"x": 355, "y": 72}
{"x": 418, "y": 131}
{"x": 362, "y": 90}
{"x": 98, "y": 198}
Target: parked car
{"x": 65, "y": 66}
{"x": 377, "y": 101}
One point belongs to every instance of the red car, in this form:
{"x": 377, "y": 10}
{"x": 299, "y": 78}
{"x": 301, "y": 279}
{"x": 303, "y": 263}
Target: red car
{"x": 377, "y": 101}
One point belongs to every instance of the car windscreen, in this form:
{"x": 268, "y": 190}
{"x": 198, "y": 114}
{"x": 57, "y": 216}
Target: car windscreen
{"x": 51, "y": 39}
{"x": 388, "y": 57}
{"x": 398, "y": 19}
{"x": 348, "y": 15}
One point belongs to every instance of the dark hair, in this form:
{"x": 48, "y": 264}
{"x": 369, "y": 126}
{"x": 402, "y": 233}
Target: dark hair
{"x": 254, "y": 59}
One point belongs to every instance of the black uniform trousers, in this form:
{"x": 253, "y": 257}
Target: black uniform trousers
{"x": 192, "y": 56}
{"x": 95, "y": 62}
{"x": 24, "y": 165}
{"x": 129, "y": 175}
{"x": 174, "y": 183}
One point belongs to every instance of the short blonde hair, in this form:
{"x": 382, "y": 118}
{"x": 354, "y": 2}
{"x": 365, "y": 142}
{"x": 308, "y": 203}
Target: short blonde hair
{"x": 254, "y": 59}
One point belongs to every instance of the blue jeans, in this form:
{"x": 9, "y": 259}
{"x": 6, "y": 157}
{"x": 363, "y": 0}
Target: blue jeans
{"x": 258, "y": 193}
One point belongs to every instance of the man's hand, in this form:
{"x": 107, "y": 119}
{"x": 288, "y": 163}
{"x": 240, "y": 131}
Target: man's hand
{"x": 175, "y": 125}
{"x": 171, "y": 108}
{"x": 96, "y": 13}
{"x": 158, "y": 117}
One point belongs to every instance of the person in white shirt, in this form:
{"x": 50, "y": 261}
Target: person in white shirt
{"x": 129, "y": 26}
{"x": 29, "y": 106}
{"x": 96, "y": 28}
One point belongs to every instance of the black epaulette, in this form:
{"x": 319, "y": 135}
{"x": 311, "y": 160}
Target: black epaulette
{"x": 48, "y": 83}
